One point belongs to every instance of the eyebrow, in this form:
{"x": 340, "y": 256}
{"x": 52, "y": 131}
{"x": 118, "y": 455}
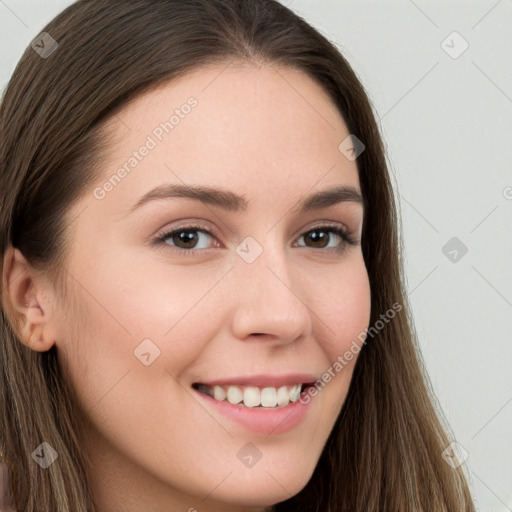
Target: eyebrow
{"x": 230, "y": 201}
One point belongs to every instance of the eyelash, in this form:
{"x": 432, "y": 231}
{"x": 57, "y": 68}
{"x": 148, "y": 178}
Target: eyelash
{"x": 159, "y": 240}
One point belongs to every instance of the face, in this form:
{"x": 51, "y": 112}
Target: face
{"x": 246, "y": 287}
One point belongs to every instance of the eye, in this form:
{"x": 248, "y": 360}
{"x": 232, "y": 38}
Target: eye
{"x": 326, "y": 232}
{"x": 186, "y": 238}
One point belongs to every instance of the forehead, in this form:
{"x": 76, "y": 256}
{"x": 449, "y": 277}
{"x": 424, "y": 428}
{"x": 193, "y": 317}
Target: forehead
{"x": 266, "y": 132}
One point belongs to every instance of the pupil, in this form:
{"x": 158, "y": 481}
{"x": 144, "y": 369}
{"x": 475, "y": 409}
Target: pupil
{"x": 187, "y": 237}
{"x": 315, "y": 238}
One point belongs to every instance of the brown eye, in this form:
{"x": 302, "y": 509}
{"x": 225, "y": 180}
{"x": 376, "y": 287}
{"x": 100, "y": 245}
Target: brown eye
{"x": 185, "y": 239}
{"x": 319, "y": 240}
{"x": 320, "y": 237}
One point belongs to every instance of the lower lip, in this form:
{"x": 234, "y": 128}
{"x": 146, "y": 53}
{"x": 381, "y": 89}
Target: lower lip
{"x": 262, "y": 421}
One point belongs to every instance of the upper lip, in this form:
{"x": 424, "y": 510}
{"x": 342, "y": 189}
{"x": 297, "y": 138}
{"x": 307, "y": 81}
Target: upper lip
{"x": 288, "y": 379}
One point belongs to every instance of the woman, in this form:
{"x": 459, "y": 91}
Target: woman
{"x": 238, "y": 125}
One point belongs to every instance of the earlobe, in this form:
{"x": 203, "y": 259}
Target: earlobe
{"x": 24, "y": 302}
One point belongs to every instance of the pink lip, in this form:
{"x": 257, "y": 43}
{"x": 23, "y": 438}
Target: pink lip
{"x": 261, "y": 421}
{"x": 288, "y": 379}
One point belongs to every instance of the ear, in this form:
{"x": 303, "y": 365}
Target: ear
{"x": 28, "y": 300}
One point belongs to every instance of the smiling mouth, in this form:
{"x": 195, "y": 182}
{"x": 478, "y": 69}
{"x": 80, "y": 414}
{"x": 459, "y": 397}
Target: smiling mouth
{"x": 267, "y": 397}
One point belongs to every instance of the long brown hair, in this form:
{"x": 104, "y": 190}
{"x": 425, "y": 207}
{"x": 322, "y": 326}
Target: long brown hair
{"x": 384, "y": 453}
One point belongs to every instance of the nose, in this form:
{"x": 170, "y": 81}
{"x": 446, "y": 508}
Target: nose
{"x": 269, "y": 300}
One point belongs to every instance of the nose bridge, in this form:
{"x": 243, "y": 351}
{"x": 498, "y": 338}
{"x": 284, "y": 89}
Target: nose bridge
{"x": 268, "y": 293}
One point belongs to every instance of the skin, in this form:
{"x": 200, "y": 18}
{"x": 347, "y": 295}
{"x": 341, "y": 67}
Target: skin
{"x": 272, "y": 135}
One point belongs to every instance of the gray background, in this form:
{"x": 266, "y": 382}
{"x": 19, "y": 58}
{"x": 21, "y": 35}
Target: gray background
{"x": 446, "y": 121}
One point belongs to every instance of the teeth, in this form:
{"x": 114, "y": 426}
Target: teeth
{"x": 252, "y": 396}
{"x": 283, "y": 397}
{"x": 269, "y": 397}
{"x": 295, "y": 393}
{"x": 219, "y": 393}
{"x": 234, "y": 395}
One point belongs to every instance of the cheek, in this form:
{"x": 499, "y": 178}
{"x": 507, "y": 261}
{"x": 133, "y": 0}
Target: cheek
{"x": 121, "y": 317}
{"x": 344, "y": 309}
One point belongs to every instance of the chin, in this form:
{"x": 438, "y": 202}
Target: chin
{"x": 262, "y": 489}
